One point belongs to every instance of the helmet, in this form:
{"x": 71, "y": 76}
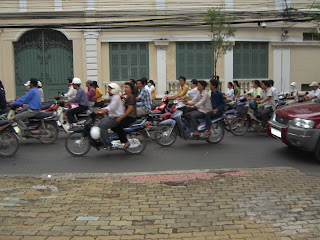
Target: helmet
{"x": 27, "y": 83}
{"x": 115, "y": 89}
{"x": 242, "y": 99}
{"x": 253, "y": 104}
{"x": 39, "y": 84}
{"x": 95, "y": 133}
{"x": 76, "y": 81}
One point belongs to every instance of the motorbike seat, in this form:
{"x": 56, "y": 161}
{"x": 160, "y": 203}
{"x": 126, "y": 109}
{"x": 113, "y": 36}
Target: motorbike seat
{"x": 4, "y": 122}
{"x": 42, "y": 115}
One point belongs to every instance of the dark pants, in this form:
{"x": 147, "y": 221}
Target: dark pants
{"x": 209, "y": 116}
{"x": 71, "y": 113}
{"x": 123, "y": 124}
{"x": 105, "y": 124}
{"x": 192, "y": 117}
{"x": 265, "y": 115}
{"x": 99, "y": 104}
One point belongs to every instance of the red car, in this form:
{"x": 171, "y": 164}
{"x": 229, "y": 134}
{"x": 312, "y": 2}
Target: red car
{"x": 298, "y": 125}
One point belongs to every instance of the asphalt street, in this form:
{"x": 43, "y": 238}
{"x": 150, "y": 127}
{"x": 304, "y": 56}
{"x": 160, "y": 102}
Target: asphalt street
{"x": 254, "y": 150}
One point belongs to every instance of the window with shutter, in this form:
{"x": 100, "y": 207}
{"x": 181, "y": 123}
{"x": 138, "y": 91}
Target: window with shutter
{"x": 128, "y": 60}
{"x": 194, "y": 60}
{"x": 250, "y": 60}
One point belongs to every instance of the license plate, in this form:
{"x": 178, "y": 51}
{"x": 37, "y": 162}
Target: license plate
{"x": 276, "y": 132}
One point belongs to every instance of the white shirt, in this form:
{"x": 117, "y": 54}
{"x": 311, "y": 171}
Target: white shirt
{"x": 193, "y": 93}
{"x": 275, "y": 94}
{"x": 115, "y": 108}
{"x": 150, "y": 89}
{"x": 314, "y": 93}
{"x": 230, "y": 93}
{"x": 71, "y": 93}
{"x": 251, "y": 90}
{"x": 270, "y": 103}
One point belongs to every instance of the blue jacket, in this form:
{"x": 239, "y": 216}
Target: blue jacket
{"x": 32, "y": 98}
{"x": 217, "y": 101}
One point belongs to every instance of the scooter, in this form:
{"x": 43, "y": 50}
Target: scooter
{"x": 9, "y": 141}
{"x": 82, "y": 138}
{"x": 41, "y": 126}
{"x": 168, "y": 130}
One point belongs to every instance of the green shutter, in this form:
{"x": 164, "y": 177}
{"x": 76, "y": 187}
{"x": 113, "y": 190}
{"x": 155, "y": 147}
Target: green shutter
{"x": 194, "y": 60}
{"x": 128, "y": 60}
{"x": 250, "y": 60}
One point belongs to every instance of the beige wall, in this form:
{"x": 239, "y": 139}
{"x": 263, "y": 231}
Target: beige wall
{"x": 152, "y": 61}
{"x": 171, "y": 61}
{"x": 305, "y": 63}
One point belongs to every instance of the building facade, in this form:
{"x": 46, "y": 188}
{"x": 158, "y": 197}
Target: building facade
{"x": 158, "y": 39}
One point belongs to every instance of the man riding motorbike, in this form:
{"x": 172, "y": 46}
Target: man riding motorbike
{"x": 114, "y": 109}
{"x": 198, "y": 107}
{"x": 268, "y": 100}
{"x": 33, "y": 99}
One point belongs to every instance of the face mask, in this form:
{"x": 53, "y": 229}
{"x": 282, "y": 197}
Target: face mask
{"x": 293, "y": 88}
{"x": 149, "y": 84}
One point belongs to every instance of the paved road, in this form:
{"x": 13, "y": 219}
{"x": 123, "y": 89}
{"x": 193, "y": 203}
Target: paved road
{"x": 250, "y": 151}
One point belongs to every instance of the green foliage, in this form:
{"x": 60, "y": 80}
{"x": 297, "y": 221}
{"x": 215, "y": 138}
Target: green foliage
{"x": 220, "y": 28}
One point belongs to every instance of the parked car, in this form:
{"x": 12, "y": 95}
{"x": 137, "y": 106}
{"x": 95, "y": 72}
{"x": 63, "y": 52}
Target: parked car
{"x": 298, "y": 126}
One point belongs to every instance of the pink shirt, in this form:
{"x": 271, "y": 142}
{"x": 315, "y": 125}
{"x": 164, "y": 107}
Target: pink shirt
{"x": 91, "y": 93}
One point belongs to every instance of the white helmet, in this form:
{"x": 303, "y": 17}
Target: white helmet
{"x": 39, "y": 84}
{"x": 76, "y": 81}
{"x": 95, "y": 133}
{"x": 27, "y": 83}
{"x": 115, "y": 88}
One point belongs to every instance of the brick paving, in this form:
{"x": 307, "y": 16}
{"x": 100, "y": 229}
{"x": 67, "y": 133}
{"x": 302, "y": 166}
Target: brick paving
{"x": 268, "y": 203}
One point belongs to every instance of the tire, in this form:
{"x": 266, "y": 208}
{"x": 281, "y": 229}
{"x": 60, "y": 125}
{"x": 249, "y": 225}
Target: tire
{"x": 77, "y": 144}
{"x": 138, "y": 142}
{"x": 239, "y": 126}
{"x": 53, "y": 131}
{"x": 163, "y": 137}
{"x": 9, "y": 143}
{"x": 217, "y": 133}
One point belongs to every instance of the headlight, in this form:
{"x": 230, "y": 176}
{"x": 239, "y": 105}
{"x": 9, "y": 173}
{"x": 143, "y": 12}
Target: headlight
{"x": 302, "y": 123}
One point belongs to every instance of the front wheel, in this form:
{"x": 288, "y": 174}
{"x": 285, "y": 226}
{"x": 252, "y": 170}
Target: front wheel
{"x": 239, "y": 126}
{"x": 77, "y": 144}
{"x": 217, "y": 133}
{"x": 165, "y": 135}
{"x": 9, "y": 143}
{"x": 50, "y": 133}
{"x": 138, "y": 142}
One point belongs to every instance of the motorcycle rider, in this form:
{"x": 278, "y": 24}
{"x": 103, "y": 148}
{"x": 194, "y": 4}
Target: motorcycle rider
{"x": 275, "y": 91}
{"x": 256, "y": 91}
{"x": 72, "y": 92}
{"x": 315, "y": 93}
{"x": 193, "y": 92}
{"x": 198, "y": 107}
{"x": 218, "y": 104}
{"x": 81, "y": 98}
{"x": 91, "y": 92}
{"x": 184, "y": 88}
{"x": 143, "y": 99}
{"x": 268, "y": 100}
{"x": 33, "y": 99}
{"x": 114, "y": 109}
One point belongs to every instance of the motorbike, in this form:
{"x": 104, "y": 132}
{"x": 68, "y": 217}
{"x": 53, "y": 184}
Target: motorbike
{"x": 82, "y": 138}
{"x": 249, "y": 118}
{"x": 9, "y": 141}
{"x": 41, "y": 126}
{"x": 168, "y": 130}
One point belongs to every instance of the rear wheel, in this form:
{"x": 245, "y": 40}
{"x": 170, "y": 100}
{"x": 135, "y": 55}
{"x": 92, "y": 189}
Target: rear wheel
{"x": 9, "y": 143}
{"x": 138, "y": 142}
{"x": 217, "y": 133}
{"x": 50, "y": 133}
{"x": 77, "y": 144}
{"x": 239, "y": 126}
{"x": 165, "y": 135}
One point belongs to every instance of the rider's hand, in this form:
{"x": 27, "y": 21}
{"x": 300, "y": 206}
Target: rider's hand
{"x": 118, "y": 119}
{"x": 215, "y": 111}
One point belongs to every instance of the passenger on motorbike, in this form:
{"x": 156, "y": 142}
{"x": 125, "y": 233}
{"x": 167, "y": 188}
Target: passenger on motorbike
{"x": 193, "y": 92}
{"x": 129, "y": 116}
{"x": 256, "y": 91}
{"x": 198, "y": 108}
{"x": 218, "y": 104}
{"x": 275, "y": 91}
{"x": 268, "y": 101}
{"x": 114, "y": 109}
{"x": 81, "y": 98}
{"x": 144, "y": 98}
{"x": 33, "y": 99}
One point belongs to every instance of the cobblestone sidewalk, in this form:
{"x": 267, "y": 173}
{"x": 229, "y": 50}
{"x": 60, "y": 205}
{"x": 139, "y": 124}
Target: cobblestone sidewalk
{"x": 270, "y": 203}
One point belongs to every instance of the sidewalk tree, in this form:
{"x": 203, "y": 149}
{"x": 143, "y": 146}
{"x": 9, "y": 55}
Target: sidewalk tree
{"x": 220, "y": 28}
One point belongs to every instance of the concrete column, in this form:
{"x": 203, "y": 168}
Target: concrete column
{"x": 90, "y": 5}
{"x": 23, "y": 5}
{"x": 58, "y": 5}
{"x": 281, "y": 69}
{"x": 160, "y": 4}
{"x": 161, "y": 66}
{"x": 91, "y": 38}
{"x": 228, "y": 68}
{"x": 228, "y": 4}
